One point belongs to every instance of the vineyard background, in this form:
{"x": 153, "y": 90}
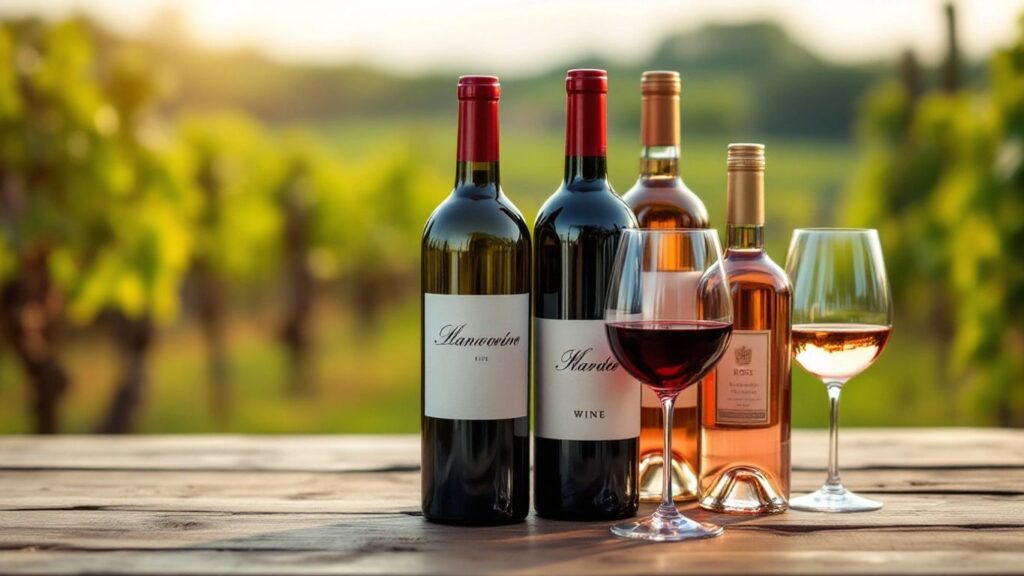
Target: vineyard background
{"x": 196, "y": 240}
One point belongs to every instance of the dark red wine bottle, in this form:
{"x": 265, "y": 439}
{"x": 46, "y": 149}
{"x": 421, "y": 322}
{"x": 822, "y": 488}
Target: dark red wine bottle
{"x": 587, "y": 425}
{"x": 475, "y": 388}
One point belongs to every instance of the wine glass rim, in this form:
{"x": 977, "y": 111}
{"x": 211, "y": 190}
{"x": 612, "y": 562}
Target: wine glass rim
{"x": 836, "y": 230}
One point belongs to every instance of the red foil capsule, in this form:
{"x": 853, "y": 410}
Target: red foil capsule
{"x": 478, "y": 118}
{"x": 586, "y": 124}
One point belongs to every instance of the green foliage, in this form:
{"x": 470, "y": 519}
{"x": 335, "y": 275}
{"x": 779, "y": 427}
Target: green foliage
{"x": 139, "y": 270}
{"x": 46, "y": 130}
{"x": 394, "y": 191}
{"x": 943, "y": 179}
{"x": 126, "y": 207}
{"x": 82, "y": 189}
{"x": 113, "y": 208}
{"x": 234, "y": 167}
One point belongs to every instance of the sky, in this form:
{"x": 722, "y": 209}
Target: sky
{"x": 410, "y": 36}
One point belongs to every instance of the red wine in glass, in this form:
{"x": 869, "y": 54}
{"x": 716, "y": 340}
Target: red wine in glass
{"x": 668, "y": 355}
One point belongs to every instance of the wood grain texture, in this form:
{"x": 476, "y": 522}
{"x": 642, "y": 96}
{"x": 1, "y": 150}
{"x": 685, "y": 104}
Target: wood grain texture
{"x": 860, "y": 448}
{"x": 954, "y": 503}
{"x": 396, "y": 492}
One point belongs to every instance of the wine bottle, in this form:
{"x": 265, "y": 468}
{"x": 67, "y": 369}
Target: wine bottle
{"x": 745, "y": 406}
{"x": 476, "y": 334}
{"x": 660, "y": 199}
{"x": 587, "y": 427}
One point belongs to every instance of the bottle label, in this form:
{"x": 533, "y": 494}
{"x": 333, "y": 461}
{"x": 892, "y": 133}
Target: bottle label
{"x": 476, "y": 356}
{"x": 743, "y": 380}
{"x": 582, "y": 393}
{"x": 670, "y": 295}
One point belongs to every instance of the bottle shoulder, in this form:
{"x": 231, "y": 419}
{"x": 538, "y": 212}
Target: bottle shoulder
{"x": 567, "y": 209}
{"x": 666, "y": 203}
{"x": 754, "y": 269}
{"x": 461, "y": 217}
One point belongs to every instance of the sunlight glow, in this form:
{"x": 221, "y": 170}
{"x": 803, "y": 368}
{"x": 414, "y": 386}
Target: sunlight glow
{"x": 522, "y": 36}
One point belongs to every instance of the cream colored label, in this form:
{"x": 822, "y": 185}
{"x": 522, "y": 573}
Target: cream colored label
{"x": 476, "y": 356}
{"x": 743, "y": 380}
{"x": 581, "y": 391}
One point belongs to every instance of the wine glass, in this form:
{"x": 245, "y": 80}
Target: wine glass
{"x": 842, "y": 317}
{"x": 668, "y": 338}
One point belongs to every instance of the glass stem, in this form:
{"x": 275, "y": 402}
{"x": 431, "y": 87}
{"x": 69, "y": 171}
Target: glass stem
{"x": 668, "y": 506}
{"x": 833, "y": 482}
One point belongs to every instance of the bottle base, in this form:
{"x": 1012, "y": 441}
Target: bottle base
{"x": 684, "y": 479}
{"x": 744, "y": 490}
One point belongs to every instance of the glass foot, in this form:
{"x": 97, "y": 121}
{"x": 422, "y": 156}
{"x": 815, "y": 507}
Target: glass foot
{"x": 684, "y": 479}
{"x": 666, "y": 528}
{"x": 833, "y": 499}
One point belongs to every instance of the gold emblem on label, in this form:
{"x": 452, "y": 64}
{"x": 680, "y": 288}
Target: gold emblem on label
{"x": 744, "y": 355}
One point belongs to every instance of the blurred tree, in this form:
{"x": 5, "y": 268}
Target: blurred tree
{"x": 946, "y": 189}
{"x": 382, "y": 265}
{"x": 235, "y": 170}
{"x": 87, "y": 215}
{"x": 51, "y": 160}
{"x": 152, "y": 241}
{"x": 297, "y": 197}
{"x": 103, "y": 213}
{"x": 951, "y": 63}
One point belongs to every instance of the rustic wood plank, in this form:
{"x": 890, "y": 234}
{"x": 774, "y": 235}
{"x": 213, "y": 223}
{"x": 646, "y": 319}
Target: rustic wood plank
{"x": 860, "y": 448}
{"x": 197, "y": 543}
{"x": 621, "y": 561}
{"x": 902, "y": 448}
{"x": 307, "y": 505}
{"x": 909, "y": 510}
{"x": 629, "y": 559}
{"x": 395, "y": 492}
{"x": 224, "y": 453}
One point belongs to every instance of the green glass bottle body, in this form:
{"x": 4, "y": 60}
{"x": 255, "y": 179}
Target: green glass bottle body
{"x": 586, "y": 432}
{"x": 476, "y": 252}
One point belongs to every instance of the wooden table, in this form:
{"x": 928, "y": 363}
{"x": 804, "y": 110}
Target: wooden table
{"x": 954, "y": 502}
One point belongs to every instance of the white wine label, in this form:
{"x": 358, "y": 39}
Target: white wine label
{"x": 686, "y": 399}
{"x": 581, "y": 391}
{"x": 673, "y": 296}
{"x": 742, "y": 379}
{"x": 476, "y": 356}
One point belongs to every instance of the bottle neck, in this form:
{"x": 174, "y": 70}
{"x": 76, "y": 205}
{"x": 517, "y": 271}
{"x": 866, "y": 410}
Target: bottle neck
{"x": 745, "y": 223}
{"x": 477, "y": 174}
{"x": 586, "y": 137}
{"x": 585, "y": 168}
{"x": 477, "y": 150}
{"x": 745, "y": 237}
{"x": 659, "y": 162}
{"x": 659, "y": 134}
